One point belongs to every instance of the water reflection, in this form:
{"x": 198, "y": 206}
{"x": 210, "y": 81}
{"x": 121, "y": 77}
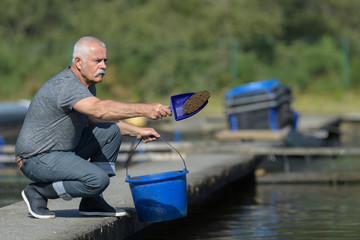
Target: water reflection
{"x": 11, "y": 183}
{"x": 270, "y": 212}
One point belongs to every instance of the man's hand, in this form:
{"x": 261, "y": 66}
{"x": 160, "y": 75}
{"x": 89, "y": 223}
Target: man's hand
{"x": 155, "y": 111}
{"x": 147, "y": 135}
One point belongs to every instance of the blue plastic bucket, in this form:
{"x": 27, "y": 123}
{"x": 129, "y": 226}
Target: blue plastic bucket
{"x": 160, "y": 196}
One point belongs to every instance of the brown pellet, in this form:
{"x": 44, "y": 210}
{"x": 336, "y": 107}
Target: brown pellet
{"x": 195, "y": 101}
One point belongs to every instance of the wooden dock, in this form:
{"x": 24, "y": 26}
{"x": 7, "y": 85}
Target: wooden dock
{"x": 208, "y": 173}
{"x": 332, "y": 178}
{"x": 234, "y": 147}
{"x": 258, "y": 149}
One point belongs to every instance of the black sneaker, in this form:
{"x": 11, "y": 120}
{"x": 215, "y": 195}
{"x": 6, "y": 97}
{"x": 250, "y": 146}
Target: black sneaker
{"x": 37, "y": 204}
{"x": 97, "y": 206}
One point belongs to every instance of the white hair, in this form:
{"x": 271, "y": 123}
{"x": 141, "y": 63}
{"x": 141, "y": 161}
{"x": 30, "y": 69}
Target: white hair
{"x": 82, "y": 48}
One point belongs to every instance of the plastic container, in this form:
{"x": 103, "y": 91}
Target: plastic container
{"x": 2, "y": 143}
{"x": 259, "y": 105}
{"x": 259, "y": 87}
{"x": 13, "y": 112}
{"x": 161, "y": 196}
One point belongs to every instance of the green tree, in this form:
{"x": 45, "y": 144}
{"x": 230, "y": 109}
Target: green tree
{"x": 158, "y": 48}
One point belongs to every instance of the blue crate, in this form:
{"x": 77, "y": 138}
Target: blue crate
{"x": 260, "y": 87}
{"x": 259, "y": 105}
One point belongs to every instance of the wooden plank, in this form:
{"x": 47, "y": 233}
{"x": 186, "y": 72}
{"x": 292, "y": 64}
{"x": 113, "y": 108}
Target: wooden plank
{"x": 306, "y": 177}
{"x": 249, "y": 135}
{"x": 226, "y": 147}
{"x": 243, "y": 148}
{"x": 7, "y": 149}
{"x": 320, "y": 151}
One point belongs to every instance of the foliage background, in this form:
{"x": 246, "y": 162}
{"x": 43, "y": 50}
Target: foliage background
{"x": 158, "y": 48}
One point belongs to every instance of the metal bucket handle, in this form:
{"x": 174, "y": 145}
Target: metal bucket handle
{"x": 131, "y": 153}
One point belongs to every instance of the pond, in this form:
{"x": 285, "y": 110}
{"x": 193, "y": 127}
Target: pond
{"x": 269, "y": 212}
{"x": 12, "y": 182}
{"x": 262, "y": 211}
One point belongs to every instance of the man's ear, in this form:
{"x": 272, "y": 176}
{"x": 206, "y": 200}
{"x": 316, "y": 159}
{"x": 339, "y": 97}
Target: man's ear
{"x": 78, "y": 63}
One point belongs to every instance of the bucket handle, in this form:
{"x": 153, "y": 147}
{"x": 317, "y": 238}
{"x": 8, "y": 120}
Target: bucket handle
{"x": 131, "y": 153}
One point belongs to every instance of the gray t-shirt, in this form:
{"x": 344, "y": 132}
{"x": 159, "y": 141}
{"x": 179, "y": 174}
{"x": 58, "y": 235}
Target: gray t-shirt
{"x": 51, "y": 123}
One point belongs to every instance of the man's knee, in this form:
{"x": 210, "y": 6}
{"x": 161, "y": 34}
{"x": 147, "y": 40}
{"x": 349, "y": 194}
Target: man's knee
{"x": 111, "y": 132}
{"x": 116, "y": 131}
{"x": 98, "y": 184}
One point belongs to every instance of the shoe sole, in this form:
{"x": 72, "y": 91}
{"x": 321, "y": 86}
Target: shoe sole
{"x": 31, "y": 212}
{"x": 103, "y": 214}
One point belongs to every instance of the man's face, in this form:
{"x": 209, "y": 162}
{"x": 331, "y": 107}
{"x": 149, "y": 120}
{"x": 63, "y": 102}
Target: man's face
{"x": 94, "y": 68}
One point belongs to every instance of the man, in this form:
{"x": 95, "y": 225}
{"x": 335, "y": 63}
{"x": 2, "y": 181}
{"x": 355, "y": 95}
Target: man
{"x": 70, "y": 139}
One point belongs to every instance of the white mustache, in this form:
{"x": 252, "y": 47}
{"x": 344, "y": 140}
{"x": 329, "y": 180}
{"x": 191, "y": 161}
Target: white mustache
{"x": 100, "y": 71}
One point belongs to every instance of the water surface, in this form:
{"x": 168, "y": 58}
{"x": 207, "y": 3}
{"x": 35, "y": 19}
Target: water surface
{"x": 270, "y": 212}
{"x": 12, "y": 182}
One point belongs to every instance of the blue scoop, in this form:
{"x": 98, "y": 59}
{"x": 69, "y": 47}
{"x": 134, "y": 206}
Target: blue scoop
{"x": 176, "y": 106}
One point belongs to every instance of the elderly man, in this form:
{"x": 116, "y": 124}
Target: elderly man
{"x": 70, "y": 139}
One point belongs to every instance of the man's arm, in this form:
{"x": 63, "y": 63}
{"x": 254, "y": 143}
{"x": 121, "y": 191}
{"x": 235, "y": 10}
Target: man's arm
{"x": 109, "y": 110}
{"x": 144, "y": 134}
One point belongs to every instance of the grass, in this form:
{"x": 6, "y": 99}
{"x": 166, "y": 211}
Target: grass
{"x": 327, "y": 104}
